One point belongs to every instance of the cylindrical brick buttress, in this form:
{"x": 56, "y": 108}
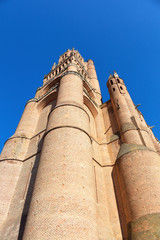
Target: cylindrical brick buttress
{"x": 11, "y": 162}
{"x": 63, "y": 202}
{"x": 137, "y": 170}
{"x": 138, "y": 176}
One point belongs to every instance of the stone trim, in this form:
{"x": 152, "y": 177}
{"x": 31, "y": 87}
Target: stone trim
{"x": 72, "y": 64}
{"x": 68, "y": 126}
{"x": 38, "y": 99}
{"x": 126, "y": 148}
{"x": 127, "y": 126}
{"x": 19, "y": 160}
{"x": 25, "y": 137}
{"x": 38, "y": 134}
{"x": 114, "y": 137}
{"x": 145, "y": 227}
{"x": 17, "y": 137}
{"x": 130, "y": 126}
{"x": 72, "y": 72}
{"x": 57, "y": 84}
{"x": 104, "y": 143}
{"x": 69, "y": 104}
{"x": 109, "y": 165}
{"x": 80, "y": 75}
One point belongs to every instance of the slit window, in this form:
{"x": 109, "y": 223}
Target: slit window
{"x": 113, "y": 89}
{"x": 111, "y": 82}
{"x": 121, "y": 88}
{"x": 118, "y": 80}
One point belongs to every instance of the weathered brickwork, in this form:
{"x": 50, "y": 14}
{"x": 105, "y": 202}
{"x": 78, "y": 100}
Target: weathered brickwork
{"x": 77, "y": 168}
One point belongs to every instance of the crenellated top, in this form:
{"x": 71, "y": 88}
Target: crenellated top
{"x": 69, "y": 57}
{"x": 66, "y": 62}
{"x": 70, "y": 53}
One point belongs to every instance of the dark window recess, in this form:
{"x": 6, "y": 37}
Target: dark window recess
{"x": 114, "y": 89}
{"x": 121, "y": 88}
{"x": 111, "y": 82}
{"x": 118, "y": 80}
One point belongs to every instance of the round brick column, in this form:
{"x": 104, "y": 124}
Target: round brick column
{"x": 137, "y": 171}
{"x": 16, "y": 146}
{"x": 63, "y": 204}
{"x": 12, "y": 157}
{"x": 28, "y": 122}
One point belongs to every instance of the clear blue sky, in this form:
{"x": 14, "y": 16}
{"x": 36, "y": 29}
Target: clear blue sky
{"x": 122, "y": 35}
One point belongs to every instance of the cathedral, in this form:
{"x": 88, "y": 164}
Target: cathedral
{"x": 77, "y": 168}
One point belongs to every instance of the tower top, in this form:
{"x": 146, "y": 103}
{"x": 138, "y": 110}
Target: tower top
{"x": 69, "y": 53}
{"x": 114, "y": 75}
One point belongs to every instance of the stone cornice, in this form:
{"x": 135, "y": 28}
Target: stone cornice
{"x": 19, "y": 160}
{"x": 68, "y": 126}
{"x": 127, "y": 148}
{"x": 130, "y": 126}
{"x": 49, "y": 91}
{"x": 61, "y": 73}
{"x": 72, "y": 72}
{"x": 69, "y": 105}
{"x": 57, "y": 84}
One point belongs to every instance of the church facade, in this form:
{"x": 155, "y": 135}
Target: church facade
{"x": 77, "y": 168}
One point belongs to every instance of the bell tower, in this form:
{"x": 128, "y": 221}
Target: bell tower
{"x": 77, "y": 168}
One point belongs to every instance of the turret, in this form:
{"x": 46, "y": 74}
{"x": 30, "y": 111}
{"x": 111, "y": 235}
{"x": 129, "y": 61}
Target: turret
{"x": 94, "y": 81}
{"x": 137, "y": 168}
{"x": 126, "y": 123}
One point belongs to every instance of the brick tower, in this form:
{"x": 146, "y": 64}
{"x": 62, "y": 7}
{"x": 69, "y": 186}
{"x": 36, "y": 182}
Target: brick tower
{"x": 79, "y": 169}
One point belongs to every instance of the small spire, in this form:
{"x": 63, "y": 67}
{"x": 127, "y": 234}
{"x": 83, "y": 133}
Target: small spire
{"x": 72, "y": 48}
{"x": 115, "y": 74}
{"x": 110, "y": 76}
{"x": 53, "y": 67}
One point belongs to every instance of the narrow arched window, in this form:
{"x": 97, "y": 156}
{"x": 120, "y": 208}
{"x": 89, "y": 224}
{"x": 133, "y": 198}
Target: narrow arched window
{"x": 111, "y": 82}
{"x": 118, "y": 80}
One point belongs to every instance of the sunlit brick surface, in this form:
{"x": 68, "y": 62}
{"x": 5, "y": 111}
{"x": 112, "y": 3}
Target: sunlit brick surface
{"x": 77, "y": 168}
